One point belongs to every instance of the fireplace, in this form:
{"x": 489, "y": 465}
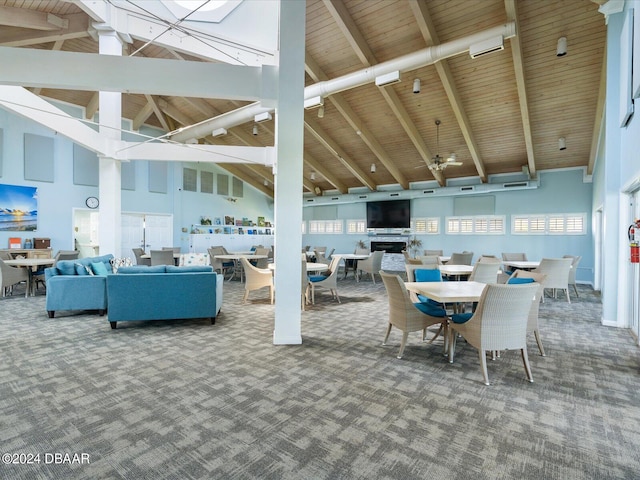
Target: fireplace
{"x": 388, "y": 246}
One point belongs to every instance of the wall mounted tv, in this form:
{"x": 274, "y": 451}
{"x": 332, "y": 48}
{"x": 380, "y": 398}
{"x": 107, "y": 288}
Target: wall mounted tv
{"x": 389, "y": 214}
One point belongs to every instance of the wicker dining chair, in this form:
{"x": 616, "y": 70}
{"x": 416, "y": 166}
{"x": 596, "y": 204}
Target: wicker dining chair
{"x": 406, "y": 315}
{"x": 499, "y": 323}
{"x": 557, "y": 272}
{"x": 520, "y": 276}
{"x": 256, "y": 278}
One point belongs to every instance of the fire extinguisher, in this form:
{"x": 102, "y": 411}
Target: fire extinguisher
{"x": 633, "y": 243}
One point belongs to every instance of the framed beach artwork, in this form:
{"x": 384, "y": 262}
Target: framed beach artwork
{"x": 18, "y": 208}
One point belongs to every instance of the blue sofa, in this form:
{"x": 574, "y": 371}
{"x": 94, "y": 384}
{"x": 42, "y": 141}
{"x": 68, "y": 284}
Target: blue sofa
{"x": 70, "y": 286}
{"x": 163, "y": 292}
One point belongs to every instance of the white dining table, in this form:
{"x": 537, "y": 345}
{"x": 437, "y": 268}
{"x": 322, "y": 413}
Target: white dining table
{"x": 448, "y": 292}
{"x": 456, "y": 270}
{"x": 521, "y": 264}
{"x": 311, "y": 267}
{"x": 351, "y": 256}
{"x": 236, "y": 259}
{"x": 31, "y": 264}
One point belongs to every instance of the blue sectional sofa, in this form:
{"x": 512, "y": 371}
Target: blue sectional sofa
{"x": 163, "y": 292}
{"x": 70, "y": 286}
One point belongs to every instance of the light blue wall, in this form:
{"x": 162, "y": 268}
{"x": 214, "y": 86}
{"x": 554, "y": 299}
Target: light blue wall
{"x": 559, "y": 192}
{"x": 57, "y": 200}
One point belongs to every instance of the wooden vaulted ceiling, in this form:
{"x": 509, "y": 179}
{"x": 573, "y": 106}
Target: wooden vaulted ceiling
{"x": 499, "y": 112}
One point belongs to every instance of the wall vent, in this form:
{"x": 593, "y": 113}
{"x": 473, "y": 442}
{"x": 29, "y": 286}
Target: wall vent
{"x": 428, "y": 191}
{"x": 310, "y": 200}
{"x": 515, "y": 184}
{"x": 335, "y": 198}
{"x": 394, "y": 194}
{"x": 363, "y": 196}
{"x": 466, "y": 189}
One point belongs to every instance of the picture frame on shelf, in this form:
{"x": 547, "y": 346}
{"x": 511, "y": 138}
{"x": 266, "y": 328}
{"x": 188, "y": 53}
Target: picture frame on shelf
{"x": 229, "y": 220}
{"x": 217, "y": 221}
{"x": 261, "y": 222}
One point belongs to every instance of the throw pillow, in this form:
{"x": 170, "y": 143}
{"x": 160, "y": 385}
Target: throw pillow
{"x": 82, "y": 269}
{"x": 99, "y": 268}
{"x": 120, "y": 262}
{"x": 519, "y": 280}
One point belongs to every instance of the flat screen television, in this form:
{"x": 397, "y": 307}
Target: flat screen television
{"x": 389, "y": 214}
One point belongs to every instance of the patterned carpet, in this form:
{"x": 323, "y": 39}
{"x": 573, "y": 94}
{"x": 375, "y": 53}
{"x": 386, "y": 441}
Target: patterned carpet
{"x": 190, "y": 400}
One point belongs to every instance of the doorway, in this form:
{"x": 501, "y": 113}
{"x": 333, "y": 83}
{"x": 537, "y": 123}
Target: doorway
{"x": 147, "y": 231}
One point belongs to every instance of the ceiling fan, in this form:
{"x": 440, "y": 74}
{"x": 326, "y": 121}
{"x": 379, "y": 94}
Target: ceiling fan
{"x": 439, "y": 163}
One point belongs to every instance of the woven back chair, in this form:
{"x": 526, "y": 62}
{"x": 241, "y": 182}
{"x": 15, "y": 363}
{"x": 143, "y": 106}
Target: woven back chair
{"x": 499, "y": 323}
{"x": 256, "y": 278}
{"x": 557, "y": 272}
{"x": 404, "y": 315}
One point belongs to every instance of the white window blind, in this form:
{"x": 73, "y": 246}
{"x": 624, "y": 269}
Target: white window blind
{"x": 477, "y": 225}
{"x": 555, "y": 224}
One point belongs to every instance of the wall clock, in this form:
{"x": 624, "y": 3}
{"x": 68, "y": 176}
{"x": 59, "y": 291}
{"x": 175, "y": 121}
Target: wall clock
{"x": 92, "y": 202}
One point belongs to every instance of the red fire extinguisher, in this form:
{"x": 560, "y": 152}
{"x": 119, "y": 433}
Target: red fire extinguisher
{"x": 633, "y": 244}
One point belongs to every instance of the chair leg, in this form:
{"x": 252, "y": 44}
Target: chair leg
{"x": 566, "y": 291}
{"x": 335, "y": 292}
{"x": 386, "y": 337}
{"x": 246, "y": 295}
{"x": 452, "y": 344}
{"x": 576, "y": 289}
{"x": 403, "y": 343}
{"x": 483, "y": 366}
{"x": 525, "y": 360}
{"x": 539, "y": 342}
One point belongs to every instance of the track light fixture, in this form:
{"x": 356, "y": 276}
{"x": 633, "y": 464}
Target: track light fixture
{"x": 416, "y": 85}
{"x": 321, "y": 111}
{"x": 373, "y": 168}
{"x": 255, "y": 129}
{"x": 561, "y": 50}
{"x": 312, "y": 176}
{"x": 562, "y": 143}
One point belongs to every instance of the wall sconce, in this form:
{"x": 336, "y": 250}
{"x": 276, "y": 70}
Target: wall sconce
{"x": 561, "y": 51}
{"x": 373, "y": 168}
{"x": 562, "y": 144}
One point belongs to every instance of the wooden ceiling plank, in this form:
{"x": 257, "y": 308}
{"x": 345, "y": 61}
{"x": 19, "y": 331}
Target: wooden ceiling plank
{"x": 365, "y": 54}
{"x": 326, "y": 173}
{"x": 324, "y": 138}
{"x": 356, "y": 123}
{"x": 518, "y": 64}
{"x": 93, "y": 105}
{"x": 429, "y": 33}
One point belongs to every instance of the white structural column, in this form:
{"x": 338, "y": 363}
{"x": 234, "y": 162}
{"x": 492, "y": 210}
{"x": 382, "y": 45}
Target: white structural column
{"x": 110, "y": 108}
{"x": 288, "y": 175}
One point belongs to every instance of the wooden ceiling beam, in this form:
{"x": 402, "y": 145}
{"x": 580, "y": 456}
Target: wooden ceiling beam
{"x": 92, "y": 107}
{"x": 518, "y": 66}
{"x": 348, "y": 27}
{"x": 323, "y": 137}
{"x": 357, "y": 124}
{"x": 425, "y": 24}
{"x": 145, "y": 112}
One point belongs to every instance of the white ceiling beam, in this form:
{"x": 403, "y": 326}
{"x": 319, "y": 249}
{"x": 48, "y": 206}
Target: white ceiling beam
{"x": 78, "y": 27}
{"x": 26, "y": 104}
{"x": 518, "y": 66}
{"x": 237, "y": 171}
{"x": 67, "y": 70}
